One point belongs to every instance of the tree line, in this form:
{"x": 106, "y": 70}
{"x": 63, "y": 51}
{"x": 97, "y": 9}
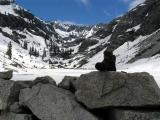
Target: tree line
{"x": 54, "y": 50}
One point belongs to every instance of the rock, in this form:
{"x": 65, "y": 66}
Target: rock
{"x": 48, "y": 102}
{"x": 114, "y": 89}
{"x": 13, "y": 116}
{"x": 68, "y": 83}
{"x": 15, "y": 108}
{"x": 136, "y": 115}
{"x": 24, "y": 84}
{"x": 6, "y": 75}
{"x": 43, "y": 80}
{"x": 9, "y": 90}
{"x": 5, "y": 92}
{"x": 9, "y": 93}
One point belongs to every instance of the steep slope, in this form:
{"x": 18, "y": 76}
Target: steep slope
{"x": 31, "y": 37}
{"x": 25, "y": 31}
{"x": 134, "y": 36}
{"x": 40, "y": 44}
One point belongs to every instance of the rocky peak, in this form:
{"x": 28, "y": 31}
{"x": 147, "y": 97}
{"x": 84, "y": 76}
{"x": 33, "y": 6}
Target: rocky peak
{"x": 6, "y": 2}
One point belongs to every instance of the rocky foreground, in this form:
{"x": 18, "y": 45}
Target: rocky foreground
{"x": 93, "y": 96}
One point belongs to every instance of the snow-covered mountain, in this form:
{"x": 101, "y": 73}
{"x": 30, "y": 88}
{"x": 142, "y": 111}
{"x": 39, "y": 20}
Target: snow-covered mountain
{"x": 134, "y": 36}
{"x": 26, "y": 32}
{"x": 39, "y": 44}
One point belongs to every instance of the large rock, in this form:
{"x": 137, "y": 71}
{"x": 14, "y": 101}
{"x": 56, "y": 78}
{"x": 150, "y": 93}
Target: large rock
{"x": 68, "y": 83}
{"x": 43, "y": 80}
{"x": 12, "y": 116}
{"x": 115, "y": 89}
{"x": 30, "y": 84}
{"x": 15, "y": 108}
{"x": 49, "y": 102}
{"x": 6, "y": 75}
{"x": 136, "y": 115}
{"x": 9, "y": 93}
{"x": 5, "y": 93}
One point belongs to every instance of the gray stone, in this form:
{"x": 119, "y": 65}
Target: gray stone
{"x": 115, "y": 89}
{"x": 6, "y": 75}
{"x": 49, "y": 102}
{"x": 9, "y": 93}
{"x": 68, "y": 83}
{"x": 136, "y": 115}
{"x": 15, "y": 108}
{"x": 12, "y": 116}
{"x": 5, "y": 93}
{"x": 43, "y": 80}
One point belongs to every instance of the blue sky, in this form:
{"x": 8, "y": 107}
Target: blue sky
{"x": 79, "y": 11}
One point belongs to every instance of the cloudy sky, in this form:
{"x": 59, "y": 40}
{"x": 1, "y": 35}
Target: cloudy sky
{"x": 79, "y": 11}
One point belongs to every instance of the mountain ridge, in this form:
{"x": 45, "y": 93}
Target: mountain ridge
{"x": 72, "y": 46}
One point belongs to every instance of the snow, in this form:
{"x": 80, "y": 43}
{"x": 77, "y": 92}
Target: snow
{"x": 7, "y": 30}
{"x": 114, "y": 27}
{"x": 8, "y": 9}
{"x": 101, "y": 42}
{"x": 21, "y": 56}
{"x": 26, "y": 63}
{"x": 150, "y": 65}
{"x": 56, "y": 74}
{"x": 63, "y": 34}
{"x": 92, "y": 61}
{"x": 128, "y": 50}
{"x": 90, "y": 33}
{"x": 134, "y": 28}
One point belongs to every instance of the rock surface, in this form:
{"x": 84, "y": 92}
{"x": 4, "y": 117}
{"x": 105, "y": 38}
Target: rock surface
{"x": 6, "y": 75}
{"x": 43, "y": 80}
{"x": 5, "y": 93}
{"x": 13, "y": 116}
{"x": 49, "y": 102}
{"x": 113, "y": 89}
{"x": 68, "y": 83}
{"x": 104, "y": 95}
{"x": 136, "y": 115}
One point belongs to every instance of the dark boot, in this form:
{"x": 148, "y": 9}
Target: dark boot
{"x": 100, "y": 66}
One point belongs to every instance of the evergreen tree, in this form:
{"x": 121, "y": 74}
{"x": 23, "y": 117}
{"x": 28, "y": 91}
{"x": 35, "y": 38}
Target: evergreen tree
{"x": 9, "y": 50}
{"x": 30, "y": 51}
{"x": 25, "y": 45}
{"x": 44, "y": 54}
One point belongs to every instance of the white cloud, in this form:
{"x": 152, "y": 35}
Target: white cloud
{"x": 66, "y": 22}
{"x": 106, "y": 13}
{"x": 134, "y": 3}
{"x": 125, "y": 1}
{"x": 84, "y": 2}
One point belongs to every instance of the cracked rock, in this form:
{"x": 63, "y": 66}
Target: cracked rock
{"x": 115, "y": 89}
{"x": 49, "y": 102}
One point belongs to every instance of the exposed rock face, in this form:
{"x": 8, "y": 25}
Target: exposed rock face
{"x": 9, "y": 93}
{"x": 136, "y": 115}
{"x": 113, "y": 89}
{"x": 5, "y": 93}
{"x": 6, "y": 75}
{"x": 13, "y": 116}
{"x": 6, "y": 2}
{"x": 48, "y": 102}
{"x": 68, "y": 83}
{"x": 43, "y": 80}
{"x": 107, "y": 96}
{"x": 15, "y": 108}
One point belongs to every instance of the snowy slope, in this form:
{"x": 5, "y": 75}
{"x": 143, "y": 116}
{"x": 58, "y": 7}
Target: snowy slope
{"x": 128, "y": 36}
{"x": 11, "y": 31}
{"x": 9, "y": 9}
